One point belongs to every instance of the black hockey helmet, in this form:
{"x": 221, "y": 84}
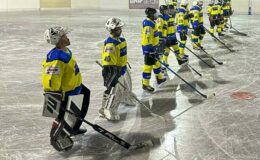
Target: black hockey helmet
{"x": 163, "y": 8}
{"x": 171, "y": 6}
{"x": 150, "y": 11}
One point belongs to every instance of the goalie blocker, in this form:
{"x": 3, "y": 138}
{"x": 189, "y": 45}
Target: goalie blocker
{"x": 67, "y": 123}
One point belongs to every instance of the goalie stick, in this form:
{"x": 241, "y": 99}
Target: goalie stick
{"x": 113, "y": 137}
{"x": 134, "y": 96}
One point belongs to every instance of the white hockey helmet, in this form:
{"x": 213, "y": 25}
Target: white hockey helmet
{"x": 53, "y": 34}
{"x": 184, "y": 2}
{"x": 113, "y": 23}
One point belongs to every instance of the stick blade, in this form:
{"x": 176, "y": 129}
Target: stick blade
{"x": 211, "y": 95}
{"x": 220, "y": 63}
{"x": 239, "y": 33}
{"x": 148, "y": 143}
{"x": 244, "y": 34}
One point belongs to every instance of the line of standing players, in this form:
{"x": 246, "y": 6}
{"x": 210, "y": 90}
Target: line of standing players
{"x": 159, "y": 33}
{"x": 61, "y": 75}
{"x": 158, "y": 39}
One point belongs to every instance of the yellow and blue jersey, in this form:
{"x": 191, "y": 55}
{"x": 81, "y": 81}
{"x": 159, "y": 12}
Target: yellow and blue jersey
{"x": 197, "y": 18}
{"x": 214, "y": 10}
{"x": 227, "y": 8}
{"x": 114, "y": 53}
{"x": 171, "y": 30}
{"x": 174, "y": 3}
{"x": 162, "y": 25}
{"x": 150, "y": 37}
{"x": 220, "y": 5}
{"x": 61, "y": 73}
{"x": 182, "y": 18}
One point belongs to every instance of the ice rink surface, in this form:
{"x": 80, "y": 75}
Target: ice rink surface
{"x": 194, "y": 128}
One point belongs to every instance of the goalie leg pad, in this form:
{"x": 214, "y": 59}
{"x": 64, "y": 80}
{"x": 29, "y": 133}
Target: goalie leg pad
{"x": 60, "y": 139}
{"x": 85, "y": 104}
{"x": 52, "y": 104}
{"x": 127, "y": 98}
{"x": 111, "y": 101}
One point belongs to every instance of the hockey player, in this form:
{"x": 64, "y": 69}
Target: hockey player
{"x": 61, "y": 75}
{"x": 220, "y": 5}
{"x": 227, "y": 12}
{"x": 162, "y": 27}
{"x": 182, "y": 18}
{"x": 114, "y": 62}
{"x": 171, "y": 37}
{"x": 214, "y": 13}
{"x": 150, "y": 41}
{"x": 173, "y": 5}
{"x": 197, "y": 24}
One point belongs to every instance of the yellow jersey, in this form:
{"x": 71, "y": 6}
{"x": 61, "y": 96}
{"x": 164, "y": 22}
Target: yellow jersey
{"x": 61, "y": 73}
{"x": 150, "y": 37}
{"x": 114, "y": 52}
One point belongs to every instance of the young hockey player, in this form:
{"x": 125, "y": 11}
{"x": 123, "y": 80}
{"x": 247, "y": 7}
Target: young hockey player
{"x": 197, "y": 24}
{"x": 183, "y": 17}
{"x": 114, "y": 62}
{"x": 221, "y": 14}
{"x": 61, "y": 76}
{"x": 227, "y": 12}
{"x": 171, "y": 37}
{"x": 162, "y": 27}
{"x": 173, "y": 5}
{"x": 150, "y": 41}
{"x": 214, "y": 13}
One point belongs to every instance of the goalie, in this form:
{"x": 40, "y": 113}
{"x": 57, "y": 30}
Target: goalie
{"x": 114, "y": 62}
{"x": 62, "y": 84}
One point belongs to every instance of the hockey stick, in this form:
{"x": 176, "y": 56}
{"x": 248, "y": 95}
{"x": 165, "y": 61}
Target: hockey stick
{"x": 218, "y": 62}
{"x": 190, "y": 66}
{"x": 111, "y": 136}
{"x": 203, "y": 95}
{"x": 212, "y": 35}
{"x": 195, "y": 70}
{"x": 134, "y": 96}
{"x": 231, "y": 26}
{"x": 198, "y": 56}
{"x": 241, "y": 33}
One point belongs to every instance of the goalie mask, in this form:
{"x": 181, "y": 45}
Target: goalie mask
{"x": 53, "y": 35}
{"x": 113, "y": 23}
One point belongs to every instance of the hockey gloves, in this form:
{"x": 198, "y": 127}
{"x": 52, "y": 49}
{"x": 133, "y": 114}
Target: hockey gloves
{"x": 111, "y": 74}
